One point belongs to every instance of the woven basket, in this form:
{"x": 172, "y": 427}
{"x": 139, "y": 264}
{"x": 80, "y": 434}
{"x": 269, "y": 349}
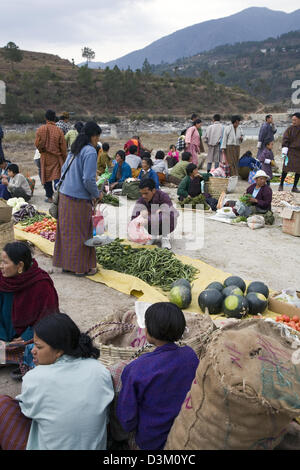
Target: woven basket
{"x": 200, "y": 326}
{"x": 215, "y": 186}
{"x": 6, "y": 234}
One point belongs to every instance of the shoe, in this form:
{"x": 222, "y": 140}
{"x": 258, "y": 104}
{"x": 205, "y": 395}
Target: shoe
{"x": 165, "y": 243}
{"x": 49, "y": 200}
{"x": 295, "y": 190}
{"x": 280, "y": 188}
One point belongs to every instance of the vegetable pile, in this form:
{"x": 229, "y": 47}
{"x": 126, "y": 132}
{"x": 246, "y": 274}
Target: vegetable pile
{"x": 288, "y": 321}
{"x": 109, "y": 199}
{"x": 157, "y": 267}
{"x": 41, "y": 224}
{"x": 194, "y": 201}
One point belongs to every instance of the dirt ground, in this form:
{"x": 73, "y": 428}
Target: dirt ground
{"x": 267, "y": 254}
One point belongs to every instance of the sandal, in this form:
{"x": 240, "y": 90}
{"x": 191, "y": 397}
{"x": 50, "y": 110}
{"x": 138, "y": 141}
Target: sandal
{"x": 92, "y": 272}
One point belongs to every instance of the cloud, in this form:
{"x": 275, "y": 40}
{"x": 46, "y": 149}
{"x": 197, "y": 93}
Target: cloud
{"x": 112, "y": 28}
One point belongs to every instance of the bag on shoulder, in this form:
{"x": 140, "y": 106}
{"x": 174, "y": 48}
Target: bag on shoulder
{"x": 53, "y": 210}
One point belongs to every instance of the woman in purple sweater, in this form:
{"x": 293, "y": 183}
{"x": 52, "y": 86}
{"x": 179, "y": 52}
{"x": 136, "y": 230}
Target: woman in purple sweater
{"x": 155, "y": 385}
{"x": 261, "y": 193}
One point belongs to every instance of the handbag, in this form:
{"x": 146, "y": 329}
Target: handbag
{"x": 53, "y": 210}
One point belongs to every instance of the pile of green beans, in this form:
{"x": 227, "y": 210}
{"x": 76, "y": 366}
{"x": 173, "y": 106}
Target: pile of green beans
{"x": 37, "y": 218}
{"x": 157, "y": 267}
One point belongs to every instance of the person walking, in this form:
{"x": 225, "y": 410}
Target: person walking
{"x": 50, "y": 142}
{"x": 77, "y": 195}
{"x": 291, "y": 152}
{"x": 266, "y": 134}
{"x": 213, "y": 139}
{"x": 231, "y": 142}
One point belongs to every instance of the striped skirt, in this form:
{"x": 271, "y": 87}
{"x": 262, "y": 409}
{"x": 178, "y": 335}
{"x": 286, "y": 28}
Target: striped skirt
{"x": 14, "y": 426}
{"x": 74, "y": 227}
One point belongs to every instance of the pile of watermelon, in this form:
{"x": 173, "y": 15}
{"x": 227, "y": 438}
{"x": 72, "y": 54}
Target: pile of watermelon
{"x": 234, "y": 299}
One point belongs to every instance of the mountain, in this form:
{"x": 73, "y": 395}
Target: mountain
{"x": 252, "y": 24}
{"x": 44, "y": 81}
{"x": 265, "y": 69}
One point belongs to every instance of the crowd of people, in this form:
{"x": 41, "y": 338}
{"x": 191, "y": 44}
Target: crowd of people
{"x": 46, "y": 344}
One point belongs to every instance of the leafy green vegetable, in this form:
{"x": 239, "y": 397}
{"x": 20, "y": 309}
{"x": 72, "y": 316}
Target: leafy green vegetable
{"x": 109, "y": 199}
{"x": 245, "y": 199}
{"x": 194, "y": 201}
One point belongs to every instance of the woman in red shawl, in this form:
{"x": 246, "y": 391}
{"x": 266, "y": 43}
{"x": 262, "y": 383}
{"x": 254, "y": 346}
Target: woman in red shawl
{"x": 27, "y": 294}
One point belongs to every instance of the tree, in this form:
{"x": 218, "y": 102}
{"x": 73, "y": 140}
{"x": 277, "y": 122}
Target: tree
{"x": 12, "y": 53}
{"x": 88, "y": 54}
{"x": 146, "y": 69}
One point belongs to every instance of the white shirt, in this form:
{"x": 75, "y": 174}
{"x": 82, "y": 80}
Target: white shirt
{"x": 19, "y": 181}
{"x": 232, "y": 136}
{"x": 68, "y": 404}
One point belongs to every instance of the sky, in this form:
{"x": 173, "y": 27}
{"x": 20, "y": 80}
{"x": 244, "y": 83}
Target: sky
{"x": 111, "y": 28}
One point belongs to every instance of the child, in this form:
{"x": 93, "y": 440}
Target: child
{"x": 104, "y": 159}
{"x": 155, "y": 385}
{"x": 173, "y": 156}
{"x": 160, "y": 166}
{"x": 267, "y": 160}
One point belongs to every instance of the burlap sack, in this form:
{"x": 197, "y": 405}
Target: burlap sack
{"x": 198, "y": 329}
{"x": 246, "y": 390}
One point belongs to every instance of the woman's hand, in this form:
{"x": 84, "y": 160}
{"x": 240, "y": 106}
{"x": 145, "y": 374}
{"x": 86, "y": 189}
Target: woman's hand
{"x": 254, "y": 201}
{"x": 4, "y": 180}
{"x": 18, "y": 340}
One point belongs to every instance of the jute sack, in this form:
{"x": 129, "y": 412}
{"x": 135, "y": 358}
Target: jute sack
{"x": 246, "y": 390}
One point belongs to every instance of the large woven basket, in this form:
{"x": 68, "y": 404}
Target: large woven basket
{"x": 6, "y": 233}
{"x": 200, "y": 328}
{"x": 215, "y": 186}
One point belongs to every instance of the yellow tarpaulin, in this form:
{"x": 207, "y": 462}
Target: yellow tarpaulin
{"x": 131, "y": 285}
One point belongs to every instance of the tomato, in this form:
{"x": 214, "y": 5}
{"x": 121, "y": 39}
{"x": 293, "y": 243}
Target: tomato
{"x": 295, "y": 319}
{"x": 286, "y": 318}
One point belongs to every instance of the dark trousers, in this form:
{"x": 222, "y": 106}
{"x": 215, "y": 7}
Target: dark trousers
{"x": 49, "y": 188}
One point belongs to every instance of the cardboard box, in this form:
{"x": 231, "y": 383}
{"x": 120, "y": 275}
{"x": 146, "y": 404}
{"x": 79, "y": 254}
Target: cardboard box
{"x": 282, "y": 308}
{"x": 291, "y": 222}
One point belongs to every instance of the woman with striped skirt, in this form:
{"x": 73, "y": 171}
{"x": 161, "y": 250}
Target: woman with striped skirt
{"x": 78, "y": 193}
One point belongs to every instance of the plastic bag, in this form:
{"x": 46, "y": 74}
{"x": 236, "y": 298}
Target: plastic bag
{"x": 255, "y": 222}
{"x": 226, "y": 212}
{"x": 137, "y": 232}
{"x": 105, "y": 176}
{"x": 232, "y": 184}
{"x": 218, "y": 173}
{"x": 98, "y": 221}
{"x": 289, "y": 296}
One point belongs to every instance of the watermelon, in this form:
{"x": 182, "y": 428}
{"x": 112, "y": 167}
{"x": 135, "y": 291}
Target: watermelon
{"x": 257, "y": 303}
{"x": 181, "y": 282}
{"x": 211, "y": 299}
{"x": 181, "y": 296}
{"x": 235, "y": 281}
{"x": 216, "y": 285}
{"x": 259, "y": 287}
{"x": 232, "y": 290}
{"x": 235, "y": 306}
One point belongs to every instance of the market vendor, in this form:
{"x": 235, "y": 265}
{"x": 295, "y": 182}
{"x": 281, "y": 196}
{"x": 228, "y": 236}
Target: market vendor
{"x": 261, "y": 193}
{"x": 158, "y": 211}
{"x": 155, "y": 385}
{"x": 16, "y": 184}
{"x": 121, "y": 171}
{"x": 246, "y": 164}
{"x": 27, "y": 294}
{"x": 193, "y": 185}
{"x": 178, "y": 172}
{"x": 64, "y": 401}
{"x": 148, "y": 172}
